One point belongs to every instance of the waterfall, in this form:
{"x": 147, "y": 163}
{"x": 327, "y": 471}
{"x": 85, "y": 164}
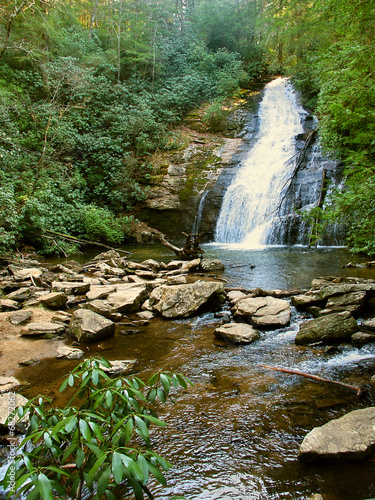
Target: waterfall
{"x": 198, "y": 217}
{"x": 250, "y": 203}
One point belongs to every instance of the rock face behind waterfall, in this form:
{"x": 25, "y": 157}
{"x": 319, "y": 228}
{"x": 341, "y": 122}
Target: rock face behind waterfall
{"x": 310, "y": 184}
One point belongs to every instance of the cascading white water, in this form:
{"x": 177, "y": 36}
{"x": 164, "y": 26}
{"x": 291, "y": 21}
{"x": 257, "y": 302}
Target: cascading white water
{"x": 198, "y": 217}
{"x": 249, "y": 203}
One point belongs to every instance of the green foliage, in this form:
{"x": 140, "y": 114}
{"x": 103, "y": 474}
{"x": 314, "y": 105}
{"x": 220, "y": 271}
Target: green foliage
{"x": 9, "y": 219}
{"x": 355, "y": 207}
{"x": 215, "y": 115}
{"x": 99, "y": 224}
{"x": 98, "y": 441}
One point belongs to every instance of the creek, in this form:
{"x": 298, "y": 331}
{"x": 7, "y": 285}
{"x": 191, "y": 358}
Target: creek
{"x": 235, "y": 434}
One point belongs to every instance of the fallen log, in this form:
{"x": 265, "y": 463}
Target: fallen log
{"x": 191, "y": 249}
{"x": 359, "y": 390}
{"x": 82, "y": 241}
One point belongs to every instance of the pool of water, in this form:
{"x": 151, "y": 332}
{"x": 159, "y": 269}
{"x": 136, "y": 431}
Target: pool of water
{"x": 235, "y": 434}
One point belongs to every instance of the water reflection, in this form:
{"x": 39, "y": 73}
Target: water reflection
{"x": 283, "y": 267}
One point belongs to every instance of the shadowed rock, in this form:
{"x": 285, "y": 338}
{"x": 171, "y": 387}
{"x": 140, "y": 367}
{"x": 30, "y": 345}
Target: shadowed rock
{"x": 335, "y": 327}
{"x": 87, "y": 326}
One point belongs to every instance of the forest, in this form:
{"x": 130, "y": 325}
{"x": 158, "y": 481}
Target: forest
{"x": 89, "y": 89}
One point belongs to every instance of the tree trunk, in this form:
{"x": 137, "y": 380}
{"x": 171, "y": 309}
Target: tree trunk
{"x": 93, "y": 18}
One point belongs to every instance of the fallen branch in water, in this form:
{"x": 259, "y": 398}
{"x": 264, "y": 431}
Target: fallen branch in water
{"x": 190, "y": 251}
{"x": 359, "y": 390}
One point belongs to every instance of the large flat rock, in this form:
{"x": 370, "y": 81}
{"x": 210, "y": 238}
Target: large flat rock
{"x": 128, "y": 297}
{"x": 100, "y": 292}
{"x": 237, "y": 333}
{"x": 42, "y": 328}
{"x": 183, "y": 301}
{"x": 351, "y": 437}
{"x": 264, "y": 312}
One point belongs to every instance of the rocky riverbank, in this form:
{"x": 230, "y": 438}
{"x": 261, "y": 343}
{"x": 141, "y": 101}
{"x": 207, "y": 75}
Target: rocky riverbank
{"x": 55, "y": 310}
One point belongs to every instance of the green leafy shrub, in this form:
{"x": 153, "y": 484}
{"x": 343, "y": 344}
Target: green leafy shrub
{"x": 215, "y": 116}
{"x": 99, "y": 224}
{"x": 98, "y": 441}
{"x": 9, "y": 219}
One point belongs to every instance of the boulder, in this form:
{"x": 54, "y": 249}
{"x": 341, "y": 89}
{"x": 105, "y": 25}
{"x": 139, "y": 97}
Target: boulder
{"x": 70, "y": 287}
{"x": 237, "y": 333}
{"x": 305, "y": 300}
{"x": 120, "y": 366}
{"x": 54, "y": 300}
{"x": 128, "y": 297}
{"x": 111, "y": 254}
{"x": 19, "y": 295}
{"x": 66, "y": 352}
{"x": 154, "y": 265}
{"x": 235, "y": 295}
{"x": 177, "y": 280}
{"x": 61, "y": 317}
{"x": 23, "y": 274}
{"x": 8, "y": 305}
{"x": 175, "y": 264}
{"x": 345, "y": 288}
{"x": 87, "y": 326}
{"x": 100, "y": 291}
{"x": 351, "y": 437}
{"x": 8, "y": 384}
{"x": 361, "y": 338}
{"x": 183, "y": 301}
{"x": 145, "y": 315}
{"x": 146, "y": 275}
{"x": 369, "y": 324}
{"x": 264, "y": 312}
{"x": 42, "y": 328}
{"x": 134, "y": 266}
{"x": 335, "y": 327}
{"x": 211, "y": 265}
{"x": 108, "y": 270}
{"x": 352, "y": 302}
{"x": 20, "y": 317}
{"x": 104, "y": 308}
{"x": 190, "y": 266}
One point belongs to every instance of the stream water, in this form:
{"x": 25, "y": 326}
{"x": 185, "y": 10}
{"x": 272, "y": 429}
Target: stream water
{"x": 235, "y": 434}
